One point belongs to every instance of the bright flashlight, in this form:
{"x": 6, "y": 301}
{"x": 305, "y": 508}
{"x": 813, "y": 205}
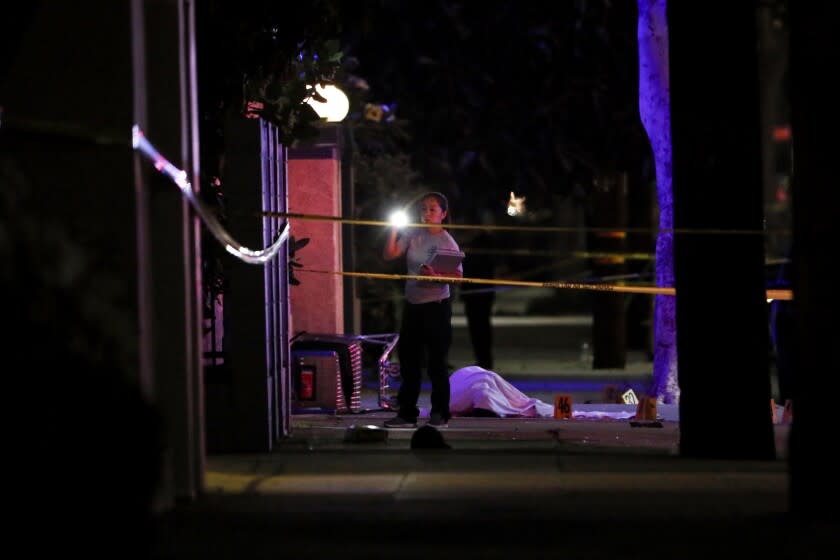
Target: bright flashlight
{"x": 398, "y": 218}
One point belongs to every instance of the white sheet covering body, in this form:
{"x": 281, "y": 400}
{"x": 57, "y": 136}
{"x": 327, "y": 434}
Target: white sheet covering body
{"x": 475, "y": 387}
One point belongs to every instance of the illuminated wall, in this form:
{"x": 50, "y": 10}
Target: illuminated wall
{"x": 317, "y": 304}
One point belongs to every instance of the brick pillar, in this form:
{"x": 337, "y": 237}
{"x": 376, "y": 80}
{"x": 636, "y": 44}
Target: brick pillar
{"x": 317, "y": 304}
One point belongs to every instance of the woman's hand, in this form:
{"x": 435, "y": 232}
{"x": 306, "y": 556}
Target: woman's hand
{"x": 426, "y": 270}
{"x": 391, "y": 250}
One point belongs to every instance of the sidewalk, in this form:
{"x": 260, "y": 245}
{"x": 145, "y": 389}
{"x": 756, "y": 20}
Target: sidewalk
{"x": 341, "y": 486}
{"x": 507, "y": 488}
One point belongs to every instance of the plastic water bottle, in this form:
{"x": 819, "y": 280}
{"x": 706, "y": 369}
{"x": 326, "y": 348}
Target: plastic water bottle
{"x": 585, "y": 355}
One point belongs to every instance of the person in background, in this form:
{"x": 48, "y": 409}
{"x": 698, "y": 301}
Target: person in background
{"x": 783, "y": 334}
{"x": 426, "y": 327}
{"x": 478, "y": 300}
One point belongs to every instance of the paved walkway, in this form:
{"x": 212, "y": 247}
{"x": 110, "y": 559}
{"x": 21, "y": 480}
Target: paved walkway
{"x": 343, "y": 487}
{"x": 507, "y": 488}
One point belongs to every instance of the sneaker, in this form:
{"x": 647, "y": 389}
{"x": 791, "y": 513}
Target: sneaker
{"x": 436, "y": 419}
{"x": 399, "y": 422}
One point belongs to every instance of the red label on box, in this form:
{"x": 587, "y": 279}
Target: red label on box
{"x": 307, "y": 384}
{"x": 563, "y": 406}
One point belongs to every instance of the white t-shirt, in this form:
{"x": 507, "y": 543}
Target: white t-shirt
{"x": 419, "y": 245}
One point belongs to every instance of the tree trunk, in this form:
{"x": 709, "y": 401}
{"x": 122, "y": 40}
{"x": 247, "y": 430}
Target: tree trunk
{"x": 722, "y": 315}
{"x": 654, "y": 107}
{"x": 814, "y": 53}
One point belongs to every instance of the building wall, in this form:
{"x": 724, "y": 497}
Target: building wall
{"x": 317, "y": 303}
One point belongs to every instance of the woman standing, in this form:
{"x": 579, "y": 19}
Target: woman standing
{"x": 426, "y": 329}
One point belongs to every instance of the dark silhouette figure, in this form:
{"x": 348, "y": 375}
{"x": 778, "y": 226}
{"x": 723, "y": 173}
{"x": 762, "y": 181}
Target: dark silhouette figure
{"x": 84, "y": 438}
{"x": 479, "y": 298}
{"x": 783, "y": 335}
{"x": 428, "y": 437}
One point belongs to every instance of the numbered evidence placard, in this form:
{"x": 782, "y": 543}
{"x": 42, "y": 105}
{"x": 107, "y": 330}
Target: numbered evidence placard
{"x": 563, "y": 406}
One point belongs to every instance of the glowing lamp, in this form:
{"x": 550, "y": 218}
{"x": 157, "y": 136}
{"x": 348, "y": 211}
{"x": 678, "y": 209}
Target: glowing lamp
{"x": 336, "y": 106}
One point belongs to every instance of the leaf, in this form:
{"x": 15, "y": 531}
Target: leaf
{"x": 295, "y": 244}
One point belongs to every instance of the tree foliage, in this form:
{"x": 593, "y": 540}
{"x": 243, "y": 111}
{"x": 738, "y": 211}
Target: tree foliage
{"x": 493, "y": 96}
{"x": 504, "y": 96}
{"x": 256, "y": 58}
{"x": 480, "y": 98}
{"x": 267, "y": 53}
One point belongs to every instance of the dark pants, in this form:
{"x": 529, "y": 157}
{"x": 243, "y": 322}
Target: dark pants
{"x": 425, "y": 338}
{"x": 783, "y": 332}
{"x": 478, "y": 308}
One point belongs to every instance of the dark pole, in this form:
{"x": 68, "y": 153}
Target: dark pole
{"x": 609, "y": 333}
{"x": 814, "y": 56}
{"x": 722, "y": 319}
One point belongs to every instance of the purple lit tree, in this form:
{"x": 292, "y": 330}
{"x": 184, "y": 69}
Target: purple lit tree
{"x": 654, "y": 108}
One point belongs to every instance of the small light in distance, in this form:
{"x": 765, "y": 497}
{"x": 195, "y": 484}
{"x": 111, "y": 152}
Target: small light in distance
{"x": 516, "y": 205}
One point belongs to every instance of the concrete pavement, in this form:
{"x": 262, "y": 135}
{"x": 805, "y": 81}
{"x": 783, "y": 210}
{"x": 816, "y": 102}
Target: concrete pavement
{"x": 507, "y": 488}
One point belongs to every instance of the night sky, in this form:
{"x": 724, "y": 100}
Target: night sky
{"x": 502, "y": 96}
{"x": 484, "y": 97}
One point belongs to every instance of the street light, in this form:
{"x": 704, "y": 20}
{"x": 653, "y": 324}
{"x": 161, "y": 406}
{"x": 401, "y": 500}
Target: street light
{"x": 516, "y": 205}
{"x": 336, "y": 106}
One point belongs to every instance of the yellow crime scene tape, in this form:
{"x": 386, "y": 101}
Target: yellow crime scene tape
{"x": 576, "y": 254}
{"x": 779, "y": 294}
{"x": 602, "y": 255}
{"x": 568, "y": 229}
